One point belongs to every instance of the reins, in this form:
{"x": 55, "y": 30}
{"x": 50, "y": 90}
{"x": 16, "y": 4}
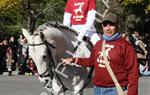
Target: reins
{"x": 53, "y": 65}
{"x": 89, "y": 77}
{"x": 50, "y": 71}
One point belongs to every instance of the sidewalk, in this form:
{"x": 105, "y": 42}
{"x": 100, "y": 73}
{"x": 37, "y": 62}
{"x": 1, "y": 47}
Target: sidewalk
{"x": 14, "y": 73}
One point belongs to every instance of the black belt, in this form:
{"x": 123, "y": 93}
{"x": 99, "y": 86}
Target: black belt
{"x": 124, "y": 88}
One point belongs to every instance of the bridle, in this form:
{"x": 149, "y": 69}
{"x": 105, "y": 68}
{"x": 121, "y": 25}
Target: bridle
{"x": 50, "y": 57}
{"x": 49, "y": 72}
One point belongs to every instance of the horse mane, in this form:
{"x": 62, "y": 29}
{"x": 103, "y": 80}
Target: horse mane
{"x": 57, "y": 25}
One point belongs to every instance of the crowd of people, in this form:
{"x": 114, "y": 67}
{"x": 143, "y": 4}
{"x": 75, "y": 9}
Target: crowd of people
{"x": 141, "y": 45}
{"x": 14, "y": 56}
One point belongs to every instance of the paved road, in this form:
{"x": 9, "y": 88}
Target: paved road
{"x": 30, "y": 85}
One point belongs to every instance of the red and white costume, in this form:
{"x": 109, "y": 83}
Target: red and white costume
{"x": 123, "y": 61}
{"x": 80, "y": 15}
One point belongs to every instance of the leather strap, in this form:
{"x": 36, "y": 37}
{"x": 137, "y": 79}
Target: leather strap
{"x": 119, "y": 89}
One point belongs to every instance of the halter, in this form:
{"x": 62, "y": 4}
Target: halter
{"x": 50, "y": 57}
{"x": 50, "y": 73}
{"x": 45, "y": 42}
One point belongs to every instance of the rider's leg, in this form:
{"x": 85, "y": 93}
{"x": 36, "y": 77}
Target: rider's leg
{"x": 57, "y": 88}
{"x": 78, "y": 85}
{"x": 94, "y": 37}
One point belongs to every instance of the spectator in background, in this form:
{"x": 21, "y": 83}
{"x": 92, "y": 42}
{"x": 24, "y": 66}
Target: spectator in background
{"x": 125, "y": 35}
{"x": 22, "y": 55}
{"x": 2, "y": 65}
{"x": 13, "y": 44}
{"x": 31, "y": 67}
{"x": 140, "y": 48}
{"x": 80, "y": 15}
{"x": 148, "y": 49}
{"x": 9, "y": 60}
{"x": 4, "y": 48}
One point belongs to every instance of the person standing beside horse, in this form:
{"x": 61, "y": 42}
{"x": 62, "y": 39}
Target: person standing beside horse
{"x": 121, "y": 57}
{"x": 80, "y": 15}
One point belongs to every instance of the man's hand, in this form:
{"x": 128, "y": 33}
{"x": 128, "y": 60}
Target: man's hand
{"x": 67, "y": 61}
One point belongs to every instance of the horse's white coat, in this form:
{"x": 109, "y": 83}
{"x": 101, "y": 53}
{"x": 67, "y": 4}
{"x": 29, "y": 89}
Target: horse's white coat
{"x": 63, "y": 40}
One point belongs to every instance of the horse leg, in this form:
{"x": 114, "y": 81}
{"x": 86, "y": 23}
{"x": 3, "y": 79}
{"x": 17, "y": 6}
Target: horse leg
{"x": 57, "y": 88}
{"x": 78, "y": 83}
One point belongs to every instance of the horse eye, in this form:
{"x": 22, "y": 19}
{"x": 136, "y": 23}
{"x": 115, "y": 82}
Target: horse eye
{"x": 44, "y": 56}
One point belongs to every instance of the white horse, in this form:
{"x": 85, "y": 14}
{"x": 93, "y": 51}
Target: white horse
{"x": 47, "y": 46}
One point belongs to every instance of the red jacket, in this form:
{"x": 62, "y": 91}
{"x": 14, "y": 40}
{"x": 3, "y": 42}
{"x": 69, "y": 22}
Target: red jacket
{"x": 79, "y": 10}
{"x": 123, "y": 61}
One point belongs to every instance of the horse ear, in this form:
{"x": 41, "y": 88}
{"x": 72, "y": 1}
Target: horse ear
{"x": 26, "y": 33}
{"x": 42, "y": 36}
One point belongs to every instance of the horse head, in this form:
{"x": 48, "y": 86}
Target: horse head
{"x": 38, "y": 51}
